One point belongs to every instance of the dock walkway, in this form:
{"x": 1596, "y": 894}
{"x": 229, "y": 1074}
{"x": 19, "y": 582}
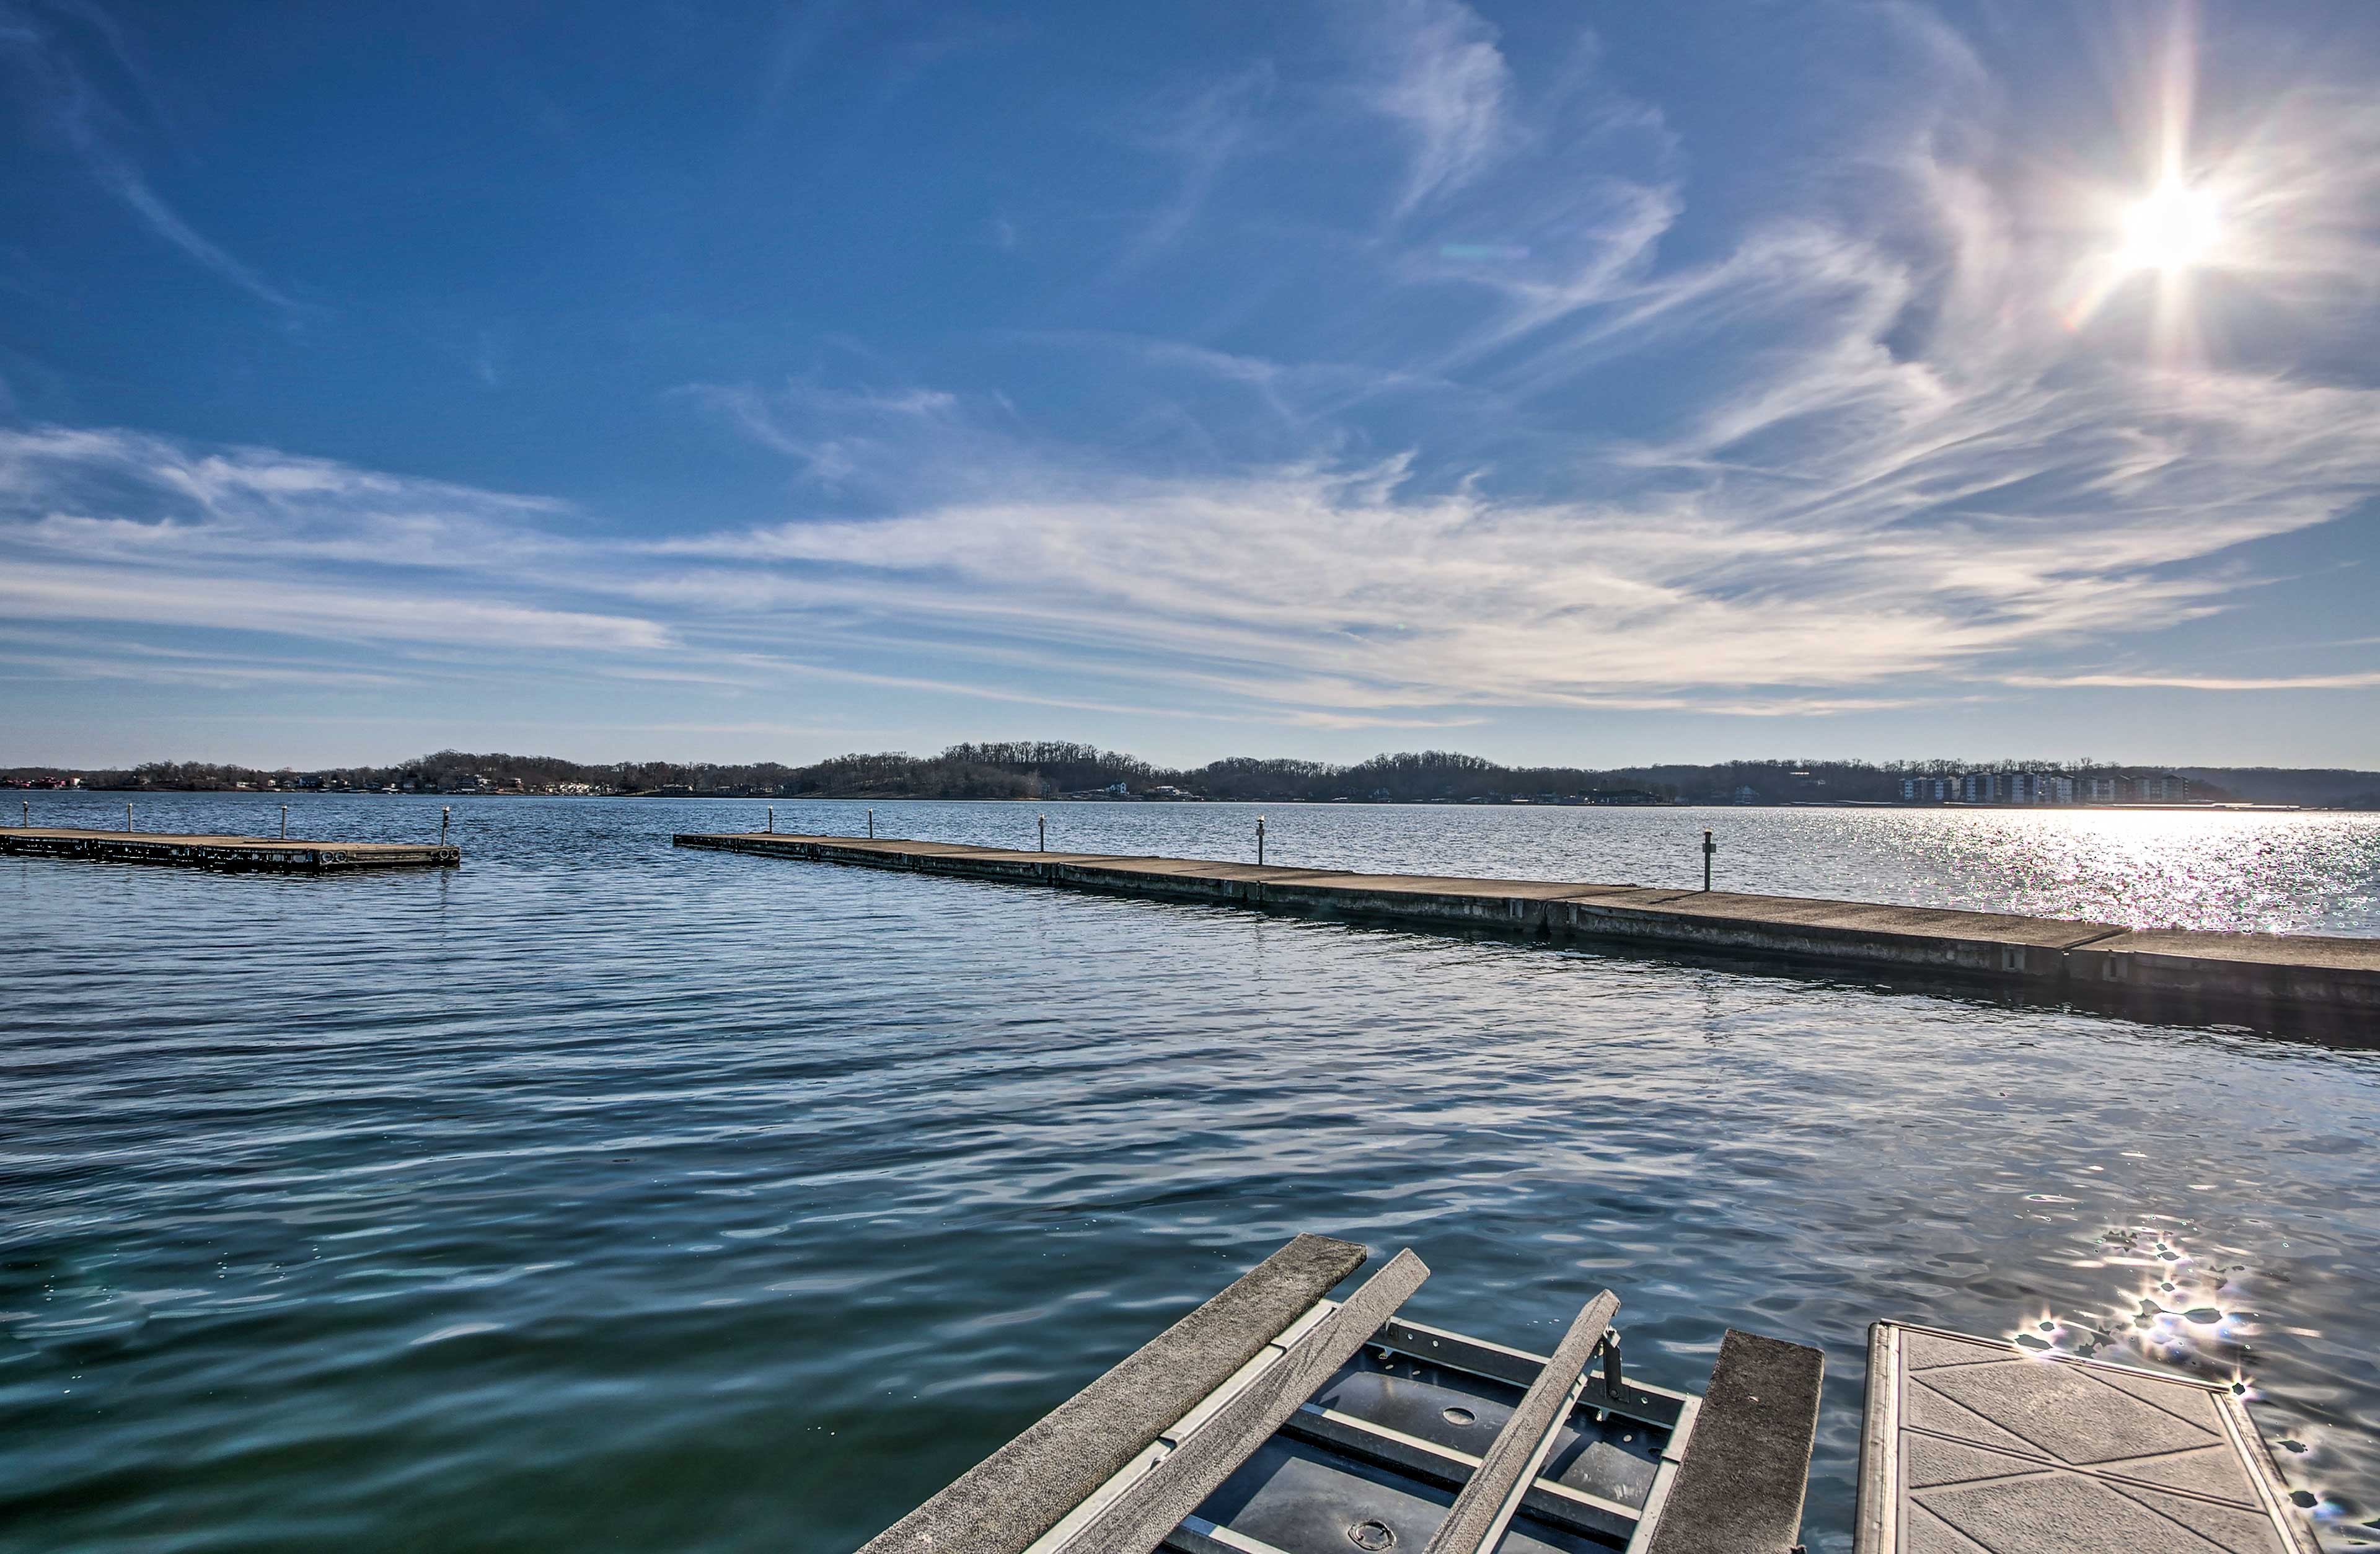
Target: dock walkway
{"x": 1972, "y": 1446}
{"x": 2298, "y": 973}
{"x": 242, "y": 853}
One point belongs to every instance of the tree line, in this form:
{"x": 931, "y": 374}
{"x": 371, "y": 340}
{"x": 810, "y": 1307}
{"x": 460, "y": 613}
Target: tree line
{"x": 1051, "y": 768}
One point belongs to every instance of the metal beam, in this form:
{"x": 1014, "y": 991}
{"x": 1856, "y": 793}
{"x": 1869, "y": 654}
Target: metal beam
{"x": 1140, "y": 1518}
{"x": 1492, "y": 1497}
{"x": 1547, "y": 1500}
{"x": 1006, "y": 1504}
{"x": 1518, "y": 1367}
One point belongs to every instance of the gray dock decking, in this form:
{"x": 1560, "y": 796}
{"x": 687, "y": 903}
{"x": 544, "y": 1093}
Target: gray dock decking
{"x": 1974, "y": 1446}
{"x": 2298, "y": 974}
{"x": 235, "y": 854}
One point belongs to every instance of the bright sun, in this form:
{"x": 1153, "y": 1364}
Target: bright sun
{"x": 2172, "y": 229}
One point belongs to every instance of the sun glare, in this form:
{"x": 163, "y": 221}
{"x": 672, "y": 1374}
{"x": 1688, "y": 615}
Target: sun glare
{"x": 2172, "y": 229}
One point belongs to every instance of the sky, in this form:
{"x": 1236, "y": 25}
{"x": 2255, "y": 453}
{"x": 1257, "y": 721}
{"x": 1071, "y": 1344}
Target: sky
{"x": 1579, "y": 381}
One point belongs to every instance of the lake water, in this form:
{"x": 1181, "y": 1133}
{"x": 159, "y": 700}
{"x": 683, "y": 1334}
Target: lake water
{"x": 606, "y": 1194}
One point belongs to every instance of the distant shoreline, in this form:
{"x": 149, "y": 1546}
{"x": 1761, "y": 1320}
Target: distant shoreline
{"x": 2211, "y": 807}
{"x": 1048, "y": 772}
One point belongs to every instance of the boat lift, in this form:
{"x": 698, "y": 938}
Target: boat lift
{"x": 1275, "y": 1420}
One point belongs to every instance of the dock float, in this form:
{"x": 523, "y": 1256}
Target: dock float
{"x": 2297, "y": 975}
{"x": 1276, "y": 1420}
{"x": 1974, "y": 1446}
{"x": 236, "y": 854}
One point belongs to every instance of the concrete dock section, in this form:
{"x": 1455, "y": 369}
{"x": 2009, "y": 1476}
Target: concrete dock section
{"x": 2333, "y": 978}
{"x": 1990, "y": 943}
{"x": 1972, "y": 1446}
{"x": 237, "y": 854}
{"x": 2271, "y": 968}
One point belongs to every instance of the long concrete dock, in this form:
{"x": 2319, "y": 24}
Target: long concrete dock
{"x": 241, "y": 854}
{"x": 2100, "y": 962}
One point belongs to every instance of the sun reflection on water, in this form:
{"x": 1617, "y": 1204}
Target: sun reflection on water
{"x": 2190, "y": 1310}
{"x": 2148, "y": 870}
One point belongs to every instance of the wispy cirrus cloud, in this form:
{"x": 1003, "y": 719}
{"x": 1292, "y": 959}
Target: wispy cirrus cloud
{"x": 1201, "y": 134}
{"x": 39, "y": 41}
{"x": 1843, "y": 455}
{"x": 1900, "y": 465}
{"x": 1433, "y": 69}
{"x": 112, "y": 526}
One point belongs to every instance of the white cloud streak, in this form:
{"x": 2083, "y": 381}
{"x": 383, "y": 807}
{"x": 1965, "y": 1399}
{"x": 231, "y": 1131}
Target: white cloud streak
{"x": 1887, "y": 474}
{"x": 1435, "y": 72}
{"x": 78, "y": 113}
{"x": 113, "y": 526}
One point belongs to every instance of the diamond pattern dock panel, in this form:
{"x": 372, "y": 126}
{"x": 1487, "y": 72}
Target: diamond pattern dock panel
{"x": 1975, "y": 1446}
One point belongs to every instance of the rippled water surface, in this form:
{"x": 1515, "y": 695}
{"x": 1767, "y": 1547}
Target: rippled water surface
{"x": 602, "y": 1193}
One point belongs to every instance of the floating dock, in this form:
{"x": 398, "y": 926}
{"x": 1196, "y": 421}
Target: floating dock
{"x": 238, "y": 853}
{"x": 2297, "y": 975}
{"x": 1972, "y": 1446}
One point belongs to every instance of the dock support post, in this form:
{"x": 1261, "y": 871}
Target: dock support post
{"x": 871, "y": 825}
{"x": 445, "y": 813}
{"x": 128, "y": 816}
{"x": 285, "y": 822}
{"x": 1259, "y": 841}
{"x": 1709, "y": 848}
{"x": 28, "y": 812}
{"x": 1043, "y": 821}
{"x": 773, "y": 820}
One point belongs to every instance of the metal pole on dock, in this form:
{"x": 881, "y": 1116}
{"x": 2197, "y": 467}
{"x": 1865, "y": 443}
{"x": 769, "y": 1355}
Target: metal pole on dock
{"x": 1260, "y": 840}
{"x": 773, "y": 820}
{"x": 445, "y": 813}
{"x": 871, "y": 825}
{"x": 285, "y": 822}
{"x": 128, "y": 816}
{"x": 1709, "y": 848}
{"x": 1044, "y": 821}
{"x": 28, "y": 812}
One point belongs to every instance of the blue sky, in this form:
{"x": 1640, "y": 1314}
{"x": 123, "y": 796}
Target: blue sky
{"x": 1590, "y": 382}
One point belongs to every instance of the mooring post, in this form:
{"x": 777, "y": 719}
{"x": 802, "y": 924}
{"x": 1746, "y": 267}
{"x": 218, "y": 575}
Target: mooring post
{"x": 1259, "y": 841}
{"x": 871, "y": 825}
{"x": 28, "y": 812}
{"x": 1044, "y": 821}
{"x": 128, "y": 816}
{"x": 1709, "y": 848}
{"x": 285, "y": 822}
{"x": 445, "y": 813}
{"x": 773, "y": 820}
